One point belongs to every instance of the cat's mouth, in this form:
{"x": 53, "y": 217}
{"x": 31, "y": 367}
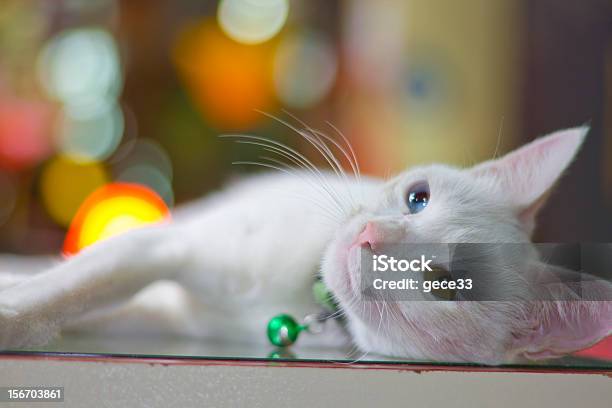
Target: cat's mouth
{"x": 355, "y": 254}
{"x": 363, "y": 245}
{"x": 360, "y": 246}
{"x": 342, "y": 267}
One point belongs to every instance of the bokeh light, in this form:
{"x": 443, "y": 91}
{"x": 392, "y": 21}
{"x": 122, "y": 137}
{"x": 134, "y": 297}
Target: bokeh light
{"x": 25, "y": 138}
{"x": 64, "y": 184}
{"x": 80, "y": 68}
{"x": 145, "y": 162}
{"x": 252, "y": 21}
{"x": 93, "y": 137}
{"x": 90, "y": 6}
{"x": 141, "y": 152}
{"x": 151, "y": 177}
{"x": 305, "y": 68}
{"x": 111, "y": 210}
{"x": 228, "y": 81}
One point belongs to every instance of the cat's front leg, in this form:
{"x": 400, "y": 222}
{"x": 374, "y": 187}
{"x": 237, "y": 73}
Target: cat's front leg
{"x": 15, "y": 269}
{"x": 27, "y": 264}
{"x": 34, "y": 311}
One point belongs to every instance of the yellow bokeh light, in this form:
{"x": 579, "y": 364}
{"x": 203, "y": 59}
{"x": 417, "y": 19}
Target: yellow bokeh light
{"x": 115, "y": 216}
{"x": 65, "y": 184}
{"x": 112, "y": 210}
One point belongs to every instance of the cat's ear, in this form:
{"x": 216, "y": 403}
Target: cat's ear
{"x": 572, "y": 312}
{"x": 527, "y": 174}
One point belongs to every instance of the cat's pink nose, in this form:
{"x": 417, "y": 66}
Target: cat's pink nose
{"x": 370, "y": 236}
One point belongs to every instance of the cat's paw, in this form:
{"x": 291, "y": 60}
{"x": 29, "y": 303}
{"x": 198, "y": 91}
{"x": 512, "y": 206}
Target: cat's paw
{"x": 20, "y": 330}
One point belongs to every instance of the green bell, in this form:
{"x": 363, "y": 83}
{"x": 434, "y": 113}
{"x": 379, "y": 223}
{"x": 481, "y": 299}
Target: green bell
{"x": 283, "y": 330}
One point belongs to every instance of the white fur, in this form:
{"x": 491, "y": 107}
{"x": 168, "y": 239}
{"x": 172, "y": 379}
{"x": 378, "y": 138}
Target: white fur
{"x": 235, "y": 259}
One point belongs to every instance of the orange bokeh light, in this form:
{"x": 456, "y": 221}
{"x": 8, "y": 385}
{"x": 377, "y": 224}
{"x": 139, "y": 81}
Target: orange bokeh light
{"x": 228, "y": 81}
{"x": 111, "y": 210}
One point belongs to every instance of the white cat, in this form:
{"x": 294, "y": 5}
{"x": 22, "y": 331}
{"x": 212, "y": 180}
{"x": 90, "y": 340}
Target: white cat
{"x": 224, "y": 266}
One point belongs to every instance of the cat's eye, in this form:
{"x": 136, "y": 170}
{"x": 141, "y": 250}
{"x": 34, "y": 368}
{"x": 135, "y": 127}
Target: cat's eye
{"x": 417, "y": 197}
{"x": 438, "y": 279}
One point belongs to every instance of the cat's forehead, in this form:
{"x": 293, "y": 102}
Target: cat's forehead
{"x": 462, "y": 207}
{"x": 449, "y": 187}
{"x": 437, "y": 176}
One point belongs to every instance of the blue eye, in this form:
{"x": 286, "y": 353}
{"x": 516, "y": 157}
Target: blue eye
{"x": 417, "y": 197}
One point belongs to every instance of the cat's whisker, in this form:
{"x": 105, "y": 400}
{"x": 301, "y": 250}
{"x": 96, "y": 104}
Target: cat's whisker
{"x": 265, "y": 142}
{"x": 298, "y": 163}
{"x": 355, "y": 162}
{"x": 362, "y": 313}
{"x": 388, "y": 319}
{"x": 320, "y": 146}
{"x": 346, "y": 155}
{"x": 366, "y": 353}
{"x": 387, "y": 175}
{"x": 310, "y": 135}
{"x": 499, "y": 136}
{"x": 337, "y": 216}
{"x": 402, "y": 323}
{"x": 313, "y": 136}
{"x": 328, "y": 155}
{"x": 314, "y": 186}
{"x": 354, "y": 347}
{"x": 314, "y": 139}
{"x": 360, "y": 358}
{"x": 262, "y": 141}
{"x": 380, "y": 318}
{"x": 277, "y": 151}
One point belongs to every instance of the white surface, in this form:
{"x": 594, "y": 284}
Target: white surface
{"x": 155, "y": 385}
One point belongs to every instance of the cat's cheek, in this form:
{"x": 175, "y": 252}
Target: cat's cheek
{"x": 336, "y": 274}
{"x": 341, "y": 263}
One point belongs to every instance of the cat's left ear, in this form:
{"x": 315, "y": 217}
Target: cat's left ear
{"x": 527, "y": 174}
{"x": 572, "y": 311}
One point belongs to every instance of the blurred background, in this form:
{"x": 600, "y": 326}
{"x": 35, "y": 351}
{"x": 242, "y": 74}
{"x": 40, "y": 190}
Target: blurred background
{"x": 100, "y": 91}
